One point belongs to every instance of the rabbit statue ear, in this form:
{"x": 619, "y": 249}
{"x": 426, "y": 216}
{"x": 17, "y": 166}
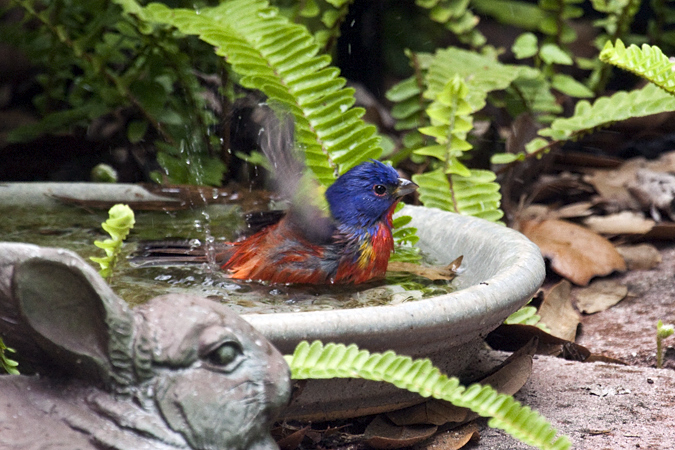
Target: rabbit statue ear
{"x": 79, "y": 323}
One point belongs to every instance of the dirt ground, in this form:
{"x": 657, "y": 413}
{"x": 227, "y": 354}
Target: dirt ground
{"x": 606, "y": 406}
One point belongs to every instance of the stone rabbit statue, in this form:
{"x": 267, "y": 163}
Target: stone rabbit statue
{"x": 178, "y": 372}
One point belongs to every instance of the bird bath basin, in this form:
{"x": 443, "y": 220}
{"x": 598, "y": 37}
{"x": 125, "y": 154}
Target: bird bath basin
{"x": 501, "y": 271}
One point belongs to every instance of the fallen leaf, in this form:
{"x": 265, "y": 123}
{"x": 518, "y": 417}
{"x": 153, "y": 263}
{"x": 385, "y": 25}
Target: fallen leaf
{"x": 557, "y": 312}
{"x": 625, "y": 222}
{"x": 599, "y": 296}
{"x": 663, "y": 231}
{"x": 431, "y": 412}
{"x": 430, "y": 272}
{"x": 611, "y": 185}
{"x": 453, "y": 439}
{"x": 576, "y": 253}
{"x": 543, "y": 212}
{"x": 512, "y": 337}
{"x": 381, "y": 433}
{"x": 514, "y": 371}
{"x": 579, "y": 209}
{"x": 293, "y": 440}
{"x": 640, "y": 257}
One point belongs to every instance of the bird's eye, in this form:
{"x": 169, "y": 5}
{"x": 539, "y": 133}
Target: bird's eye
{"x": 380, "y": 189}
{"x": 224, "y": 354}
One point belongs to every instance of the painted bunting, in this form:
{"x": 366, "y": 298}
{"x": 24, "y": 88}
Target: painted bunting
{"x": 349, "y": 242}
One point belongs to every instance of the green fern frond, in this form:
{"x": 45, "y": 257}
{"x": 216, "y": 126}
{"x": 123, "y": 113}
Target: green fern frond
{"x": 648, "y": 62}
{"x": 409, "y": 107}
{"x": 481, "y": 73}
{"x": 457, "y": 17}
{"x": 405, "y": 238}
{"x": 120, "y": 222}
{"x": 452, "y": 186}
{"x": 281, "y": 59}
{"x": 450, "y": 123}
{"x": 7, "y": 364}
{"x": 474, "y": 195}
{"x": 317, "y": 361}
{"x": 606, "y": 110}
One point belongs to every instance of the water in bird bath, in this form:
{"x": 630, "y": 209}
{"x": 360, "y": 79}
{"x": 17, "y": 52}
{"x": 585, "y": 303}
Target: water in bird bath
{"x": 76, "y": 229}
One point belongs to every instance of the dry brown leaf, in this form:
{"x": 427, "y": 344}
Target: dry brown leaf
{"x": 557, "y": 312}
{"x": 640, "y": 257}
{"x": 599, "y": 296}
{"x": 576, "y": 253}
{"x": 453, "y": 439}
{"x": 434, "y": 412}
{"x": 534, "y": 211}
{"x": 429, "y": 272}
{"x": 579, "y": 209}
{"x": 664, "y": 163}
{"x": 513, "y": 373}
{"x": 625, "y": 222}
{"x": 381, "y": 433}
{"x": 542, "y": 212}
{"x": 662, "y": 231}
{"x": 611, "y": 185}
{"x": 293, "y": 440}
{"x": 512, "y": 337}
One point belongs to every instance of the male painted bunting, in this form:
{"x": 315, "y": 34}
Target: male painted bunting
{"x": 349, "y": 244}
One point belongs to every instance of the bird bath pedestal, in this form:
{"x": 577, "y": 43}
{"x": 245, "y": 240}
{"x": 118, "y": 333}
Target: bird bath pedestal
{"x": 501, "y": 271}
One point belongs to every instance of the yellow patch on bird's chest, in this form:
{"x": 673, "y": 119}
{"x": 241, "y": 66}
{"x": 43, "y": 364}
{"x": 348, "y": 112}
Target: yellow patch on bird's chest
{"x": 377, "y": 249}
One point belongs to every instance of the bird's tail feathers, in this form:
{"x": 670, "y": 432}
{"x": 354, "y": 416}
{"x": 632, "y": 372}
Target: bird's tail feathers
{"x": 169, "y": 253}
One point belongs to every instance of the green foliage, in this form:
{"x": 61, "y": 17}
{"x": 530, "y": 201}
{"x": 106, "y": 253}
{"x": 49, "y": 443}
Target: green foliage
{"x": 317, "y": 361}
{"x": 321, "y": 17}
{"x": 662, "y": 332}
{"x": 649, "y": 62}
{"x": 456, "y": 17}
{"x": 405, "y": 238}
{"x": 452, "y": 186}
{"x": 523, "y": 15}
{"x": 620, "y": 106}
{"x": 6, "y": 364}
{"x": 281, "y": 59}
{"x": 439, "y": 105}
{"x": 120, "y": 222}
{"x": 604, "y": 111}
{"x": 660, "y": 26}
{"x": 615, "y": 25}
{"x": 96, "y": 61}
{"x": 527, "y": 315}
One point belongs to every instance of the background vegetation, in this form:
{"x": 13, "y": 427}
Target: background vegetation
{"x": 521, "y": 70}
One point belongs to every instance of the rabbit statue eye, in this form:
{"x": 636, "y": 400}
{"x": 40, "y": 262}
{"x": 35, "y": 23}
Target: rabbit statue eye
{"x": 224, "y": 354}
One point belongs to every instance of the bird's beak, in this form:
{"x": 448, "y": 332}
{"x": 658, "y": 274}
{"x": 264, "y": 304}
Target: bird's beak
{"x": 404, "y": 187}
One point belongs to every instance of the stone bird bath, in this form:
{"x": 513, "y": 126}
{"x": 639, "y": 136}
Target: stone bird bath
{"x": 501, "y": 271}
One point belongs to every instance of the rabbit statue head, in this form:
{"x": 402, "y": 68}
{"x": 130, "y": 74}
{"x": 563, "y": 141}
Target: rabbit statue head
{"x": 176, "y": 372}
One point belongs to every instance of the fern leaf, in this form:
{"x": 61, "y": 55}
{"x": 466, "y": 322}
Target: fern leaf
{"x": 281, "y": 59}
{"x": 649, "y": 62}
{"x": 481, "y": 74}
{"x": 452, "y": 186}
{"x": 606, "y": 110}
{"x": 317, "y": 361}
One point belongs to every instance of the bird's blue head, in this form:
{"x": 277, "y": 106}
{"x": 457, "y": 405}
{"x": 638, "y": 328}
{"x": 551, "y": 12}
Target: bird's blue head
{"x": 365, "y": 194}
